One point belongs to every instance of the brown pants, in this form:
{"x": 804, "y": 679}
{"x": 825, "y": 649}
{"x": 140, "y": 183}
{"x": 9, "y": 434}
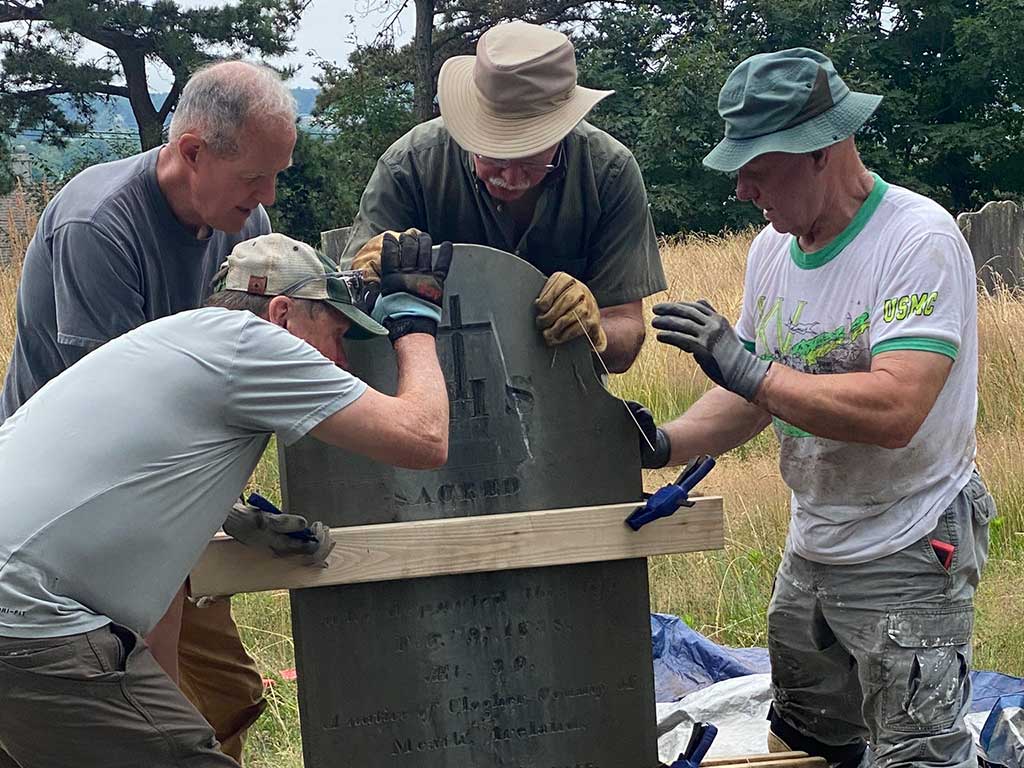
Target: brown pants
{"x": 217, "y": 674}
{"x": 97, "y": 699}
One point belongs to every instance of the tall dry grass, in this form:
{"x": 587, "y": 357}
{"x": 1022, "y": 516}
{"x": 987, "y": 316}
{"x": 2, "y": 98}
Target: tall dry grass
{"x": 723, "y": 593}
{"x": 697, "y": 267}
{"x": 20, "y": 224}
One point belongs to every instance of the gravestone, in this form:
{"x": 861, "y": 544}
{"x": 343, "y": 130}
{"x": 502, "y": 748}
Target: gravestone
{"x": 536, "y": 668}
{"x": 996, "y": 237}
{"x": 334, "y": 241}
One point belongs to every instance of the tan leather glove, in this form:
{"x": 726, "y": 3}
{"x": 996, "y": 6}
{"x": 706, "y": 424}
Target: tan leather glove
{"x": 565, "y": 304}
{"x": 367, "y": 258}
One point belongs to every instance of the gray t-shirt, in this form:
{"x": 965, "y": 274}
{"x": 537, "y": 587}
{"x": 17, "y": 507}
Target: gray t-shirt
{"x": 108, "y": 255}
{"x": 118, "y": 471}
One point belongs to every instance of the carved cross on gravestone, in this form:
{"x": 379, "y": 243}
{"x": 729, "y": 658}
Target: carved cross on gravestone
{"x": 537, "y": 668}
{"x": 996, "y": 237}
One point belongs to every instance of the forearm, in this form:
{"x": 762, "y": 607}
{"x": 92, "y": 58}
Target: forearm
{"x": 868, "y": 407}
{"x": 422, "y": 391}
{"x": 718, "y": 422}
{"x": 625, "y": 337}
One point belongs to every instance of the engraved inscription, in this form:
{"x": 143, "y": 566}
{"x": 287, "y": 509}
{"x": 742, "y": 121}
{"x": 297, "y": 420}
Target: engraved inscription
{"x": 462, "y": 492}
{"x": 448, "y": 741}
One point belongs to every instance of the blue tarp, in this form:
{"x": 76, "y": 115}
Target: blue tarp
{"x": 1002, "y": 737}
{"x": 685, "y": 661}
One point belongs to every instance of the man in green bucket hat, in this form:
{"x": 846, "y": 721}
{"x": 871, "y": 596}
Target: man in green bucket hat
{"x": 858, "y": 342}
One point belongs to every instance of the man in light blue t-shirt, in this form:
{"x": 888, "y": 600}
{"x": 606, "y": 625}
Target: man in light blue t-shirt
{"x": 137, "y": 239}
{"x": 858, "y": 342}
{"x": 119, "y": 470}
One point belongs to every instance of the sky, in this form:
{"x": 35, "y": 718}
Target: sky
{"x": 328, "y": 27}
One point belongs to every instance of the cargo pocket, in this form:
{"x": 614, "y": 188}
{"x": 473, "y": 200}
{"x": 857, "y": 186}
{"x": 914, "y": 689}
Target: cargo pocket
{"x": 982, "y": 503}
{"x": 983, "y": 509}
{"x": 924, "y": 668}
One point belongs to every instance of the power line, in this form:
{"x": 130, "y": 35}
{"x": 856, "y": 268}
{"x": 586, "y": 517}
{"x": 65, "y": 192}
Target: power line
{"x": 37, "y": 133}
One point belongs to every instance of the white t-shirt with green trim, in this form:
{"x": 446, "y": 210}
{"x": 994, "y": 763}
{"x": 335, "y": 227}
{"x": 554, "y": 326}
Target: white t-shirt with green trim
{"x": 899, "y": 277}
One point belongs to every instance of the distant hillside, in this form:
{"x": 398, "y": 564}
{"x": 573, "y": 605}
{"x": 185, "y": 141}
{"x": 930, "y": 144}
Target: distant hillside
{"x": 114, "y": 134}
{"x": 116, "y": 114}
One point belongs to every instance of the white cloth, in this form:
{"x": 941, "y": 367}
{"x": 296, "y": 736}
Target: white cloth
{"x": 119, "y": 470}
{"x": 900, "y": 277}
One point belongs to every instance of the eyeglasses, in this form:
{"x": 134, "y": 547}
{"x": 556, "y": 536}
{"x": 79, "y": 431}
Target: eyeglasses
{"x": 352, "y": 280}
{"x": 526, "y": 165}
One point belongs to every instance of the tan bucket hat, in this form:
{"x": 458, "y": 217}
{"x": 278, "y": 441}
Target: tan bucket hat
{"x": 517, "y": 96}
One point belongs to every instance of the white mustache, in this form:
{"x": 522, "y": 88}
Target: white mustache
{"x": 499, "y": 182}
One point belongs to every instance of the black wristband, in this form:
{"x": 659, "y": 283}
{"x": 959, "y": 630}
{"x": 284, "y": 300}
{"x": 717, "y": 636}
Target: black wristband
{"x": 661, "y": 454}
{"x": 400, "y": 326}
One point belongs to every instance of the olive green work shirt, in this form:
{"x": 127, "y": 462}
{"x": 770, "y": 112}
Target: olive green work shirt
{"x": 591, "y": 219}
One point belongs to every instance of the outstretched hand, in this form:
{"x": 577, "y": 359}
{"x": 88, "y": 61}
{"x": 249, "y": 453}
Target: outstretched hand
{"x": 696, "y": 327}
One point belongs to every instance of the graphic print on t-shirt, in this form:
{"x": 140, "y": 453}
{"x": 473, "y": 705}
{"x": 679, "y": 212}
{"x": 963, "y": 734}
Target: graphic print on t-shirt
{"x": 792, "y": 338}
{"x": 809, "y": 345}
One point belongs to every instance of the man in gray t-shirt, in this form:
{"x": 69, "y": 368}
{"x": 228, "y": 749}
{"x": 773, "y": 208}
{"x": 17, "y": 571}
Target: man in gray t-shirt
{"x": 138, "y": 239}
{"x": 119, "y": 471}
{"x": 109, "y": 254}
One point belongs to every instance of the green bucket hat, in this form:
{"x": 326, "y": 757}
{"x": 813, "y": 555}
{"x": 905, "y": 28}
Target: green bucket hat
{"x": 787, "y": 101}
{"x": 276, "y": 265}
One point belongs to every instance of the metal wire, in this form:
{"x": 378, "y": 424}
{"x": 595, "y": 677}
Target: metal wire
{"x": 608, "y": 373}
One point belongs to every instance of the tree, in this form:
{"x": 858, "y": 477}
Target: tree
{"x": 950, "y": 126}
{"x": 360, "y": 111}
{"x": 666, "y": 66}
{"x": 40, "y": 42}
{"x": 446, "y": 28}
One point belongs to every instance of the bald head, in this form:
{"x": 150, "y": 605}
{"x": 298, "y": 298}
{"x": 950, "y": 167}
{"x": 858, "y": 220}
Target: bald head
{"x": 220, "y": 99}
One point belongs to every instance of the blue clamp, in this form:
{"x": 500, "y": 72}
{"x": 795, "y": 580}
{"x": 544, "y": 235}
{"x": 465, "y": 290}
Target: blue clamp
{"x": 255, "y": 500}
{"x": 700, "y": 742}
{"x": 667, "y": 500}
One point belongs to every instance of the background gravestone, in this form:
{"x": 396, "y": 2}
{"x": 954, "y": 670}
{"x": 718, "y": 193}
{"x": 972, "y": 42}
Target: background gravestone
{"x": 334, "y": 241}
{"x": 996, "y": 237}
{"x": 536, "y": 668}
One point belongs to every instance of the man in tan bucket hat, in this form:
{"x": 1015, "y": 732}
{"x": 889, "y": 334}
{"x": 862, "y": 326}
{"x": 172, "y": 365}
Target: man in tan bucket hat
{"x": 511, "y": 164}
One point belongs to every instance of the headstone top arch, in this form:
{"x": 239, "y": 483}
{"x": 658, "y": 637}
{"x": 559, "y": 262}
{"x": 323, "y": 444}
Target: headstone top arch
{"x": 995, "y": 235}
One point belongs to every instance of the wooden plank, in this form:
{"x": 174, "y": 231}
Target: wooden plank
{"x": 390, "y": 551}
{"x": 773, "y": 760}
{"x": 751, "y": 759}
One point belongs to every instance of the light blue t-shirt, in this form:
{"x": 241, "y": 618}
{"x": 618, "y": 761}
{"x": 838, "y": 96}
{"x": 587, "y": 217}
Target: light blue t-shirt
{"x": 118, "y": 471}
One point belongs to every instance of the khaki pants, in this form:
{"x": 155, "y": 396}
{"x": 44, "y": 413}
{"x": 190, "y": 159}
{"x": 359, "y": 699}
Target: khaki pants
{"x": 879, "y": 652}
{"x": 217, "y": 674}
{"x": 97, "y": 699}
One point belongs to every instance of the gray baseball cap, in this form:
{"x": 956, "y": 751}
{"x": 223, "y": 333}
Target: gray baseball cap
{"x": 787, "y": 101}
{"x": 276, "y": 265}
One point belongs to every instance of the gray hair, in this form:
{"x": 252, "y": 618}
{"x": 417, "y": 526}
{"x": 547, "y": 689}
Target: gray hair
{"x": 259, "y": 304}
{"x": 220, "y": 98}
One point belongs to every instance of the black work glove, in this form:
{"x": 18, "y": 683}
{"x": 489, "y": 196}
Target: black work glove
{"x": 697, "y": 328}
{"x": 411, "y": 290}
{"x": 650, "y": 458}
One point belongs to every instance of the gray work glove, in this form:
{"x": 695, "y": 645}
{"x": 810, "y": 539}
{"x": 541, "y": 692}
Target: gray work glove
{"x": 658, "y": 456}
{"x": 257, "y": 528}
{"x": 696, "y": 327}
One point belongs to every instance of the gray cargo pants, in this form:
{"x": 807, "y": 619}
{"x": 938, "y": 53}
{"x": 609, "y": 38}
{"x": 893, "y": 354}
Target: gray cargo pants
{"x": 96, "y": 699}
{"x": 880, "y": 651}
